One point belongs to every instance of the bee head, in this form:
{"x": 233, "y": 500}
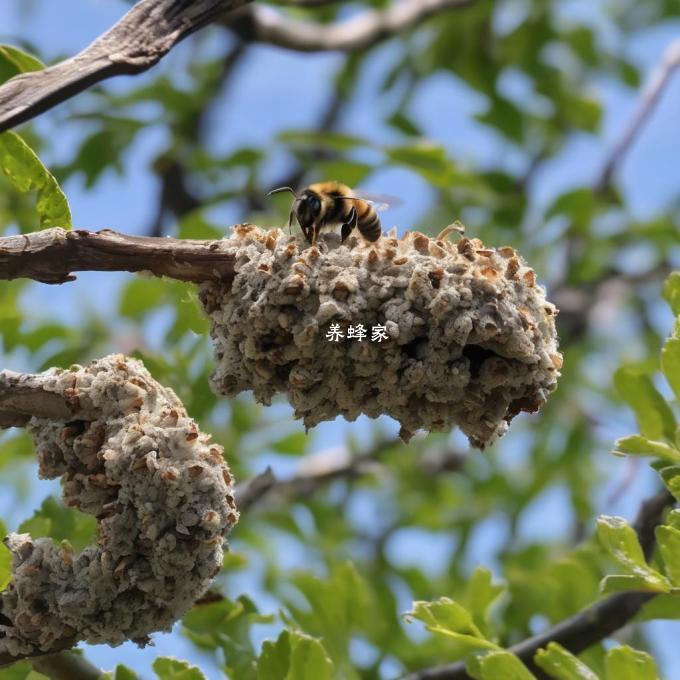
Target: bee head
{"x": 308, "y": 208}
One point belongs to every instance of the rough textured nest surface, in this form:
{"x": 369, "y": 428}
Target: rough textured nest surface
{"x": 472, "y": 339}
{"x": 162, "y": 495}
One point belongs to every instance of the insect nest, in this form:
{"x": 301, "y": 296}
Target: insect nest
{"x": 469, "y": 338}
{"x": 163, "y": 498}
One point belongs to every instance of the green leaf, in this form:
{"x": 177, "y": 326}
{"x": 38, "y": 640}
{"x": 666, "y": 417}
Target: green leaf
{"x": 428, "y": 160}
{"x": 671, "y": 292}
{"x": 621, "y": 542}
{"x": 578, "y": 205}
{"x": 20, "y": 671}
{"x": 561, "y": 664}
{"x": 274, "y": 660}
{"x": 14, "y": 61}
{"x": 323, "y": 140}
{"x": 661, "y": 607}
{"x": 668, "y": 540}
{"x": 167, "y": 668}
{"x": 625, "y": 663}
{"x": 653, "y": 414}
{"x": 673, "y": 519}
{"x": 5, "y": 560}
{"x": 351, "y": 173}
{"x": 620, "y": 583}
{"x": 671, "y": 478}
{"x": 61, "y": 524}
{"x": 294, "y": 444}
{"x": 637, "y": 445}
{"x": 121, "y": 673}
{"x": 480, "y": 593}
{"x": 446, "y": 617}
{"x": 141, "y": 296}
{"x": 24, "y": 169}
{"x": 308, "y": 659}
{"x": 503, "y": 115}
{"x": 124, "y": 673}
{"x": 498, "y": 664}
{"x": 670, "y": 364}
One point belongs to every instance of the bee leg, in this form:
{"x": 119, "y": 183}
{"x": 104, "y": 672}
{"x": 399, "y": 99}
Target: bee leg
{"x": 350, "y": 225}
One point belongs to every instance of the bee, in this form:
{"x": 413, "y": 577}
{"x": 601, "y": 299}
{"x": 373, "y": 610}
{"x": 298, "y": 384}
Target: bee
{"x": 324, "y": 205}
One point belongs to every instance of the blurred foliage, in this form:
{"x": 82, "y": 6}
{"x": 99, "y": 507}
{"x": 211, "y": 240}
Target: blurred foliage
{"x": 316, "y": 584}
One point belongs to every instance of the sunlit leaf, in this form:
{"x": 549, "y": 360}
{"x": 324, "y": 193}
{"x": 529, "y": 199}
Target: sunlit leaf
{"x": 14, "y": 61}
{"x": 561, "y": 664}
{"x": 625, "y": 663}
{"x": 173, "y": 669}
{"x": 498, "y": 664}
{"x": 670, "y": 363}
{"x": 668, "y": 539}
{"x": 620, "y": 541}
{"x": 636, "y": 445}
{"x": 654, "y": 416}
{"x": 26, "y": 172}
{"x": 671, "y": 292}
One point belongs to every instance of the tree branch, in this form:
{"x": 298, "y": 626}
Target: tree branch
{"x": 23, "y": 395}
{"x": 319, "y": 470}
{"x": 51, "y": 255}
{"x": 66, "y": 666}
{"x": 669, "y": 63}
{"x": 133, "y": 45}
{"x": 263, "y": 24}
{"x": 590, "y": 625}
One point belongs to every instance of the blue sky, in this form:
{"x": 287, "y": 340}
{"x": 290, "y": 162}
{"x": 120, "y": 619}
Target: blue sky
{"x": 275, "y": 80}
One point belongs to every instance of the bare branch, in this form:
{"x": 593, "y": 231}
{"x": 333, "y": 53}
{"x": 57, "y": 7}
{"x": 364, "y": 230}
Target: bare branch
{"x": 66, "y": 666}
{"x": 264, "y": 24}
{"x": 590, "y": 625}
{"x": 23, "y": 395}
{"x": 51, "y": 255}
{"x": 318, "y": 470}
{"x": 669, "y": 63}
{"x": 133, "y": 45}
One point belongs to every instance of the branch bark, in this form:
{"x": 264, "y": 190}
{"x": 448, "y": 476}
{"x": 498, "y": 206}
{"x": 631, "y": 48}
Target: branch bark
{"x": 133, "y": 45}
{"x": 662, "y": 75}
{"x": 51, "y": 255}
{"x": 23, "y": 395}
{"x": 315, "y": 472}
{"x": 263, "y": 24}
{"x": 589, "y": 626}
{"x": 66, "y": 666}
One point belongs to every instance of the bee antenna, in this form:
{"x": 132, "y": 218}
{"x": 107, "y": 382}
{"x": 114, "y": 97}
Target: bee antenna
{"x": 281, "y": 189}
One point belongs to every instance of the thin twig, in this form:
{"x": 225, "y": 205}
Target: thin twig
{"x": 133, "y": 45}
{"x": 589, "y": 626}
{"x": 318, "y": 470}
{"x": 661, "y": 76}
{"x": 266, "y": 25}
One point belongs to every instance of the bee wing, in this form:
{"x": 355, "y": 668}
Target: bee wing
{"x": 380, "y": 202}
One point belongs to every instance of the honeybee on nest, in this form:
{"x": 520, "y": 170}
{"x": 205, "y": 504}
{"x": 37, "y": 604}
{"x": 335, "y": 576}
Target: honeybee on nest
{"x": 324, "y": 206}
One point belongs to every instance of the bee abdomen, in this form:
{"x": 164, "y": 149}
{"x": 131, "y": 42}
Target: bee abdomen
{"x": 369, "y": 225}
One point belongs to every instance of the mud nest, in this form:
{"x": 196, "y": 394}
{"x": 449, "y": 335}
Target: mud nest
{"x": 162, "y": 495}
{"x": 470, "y": 337}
